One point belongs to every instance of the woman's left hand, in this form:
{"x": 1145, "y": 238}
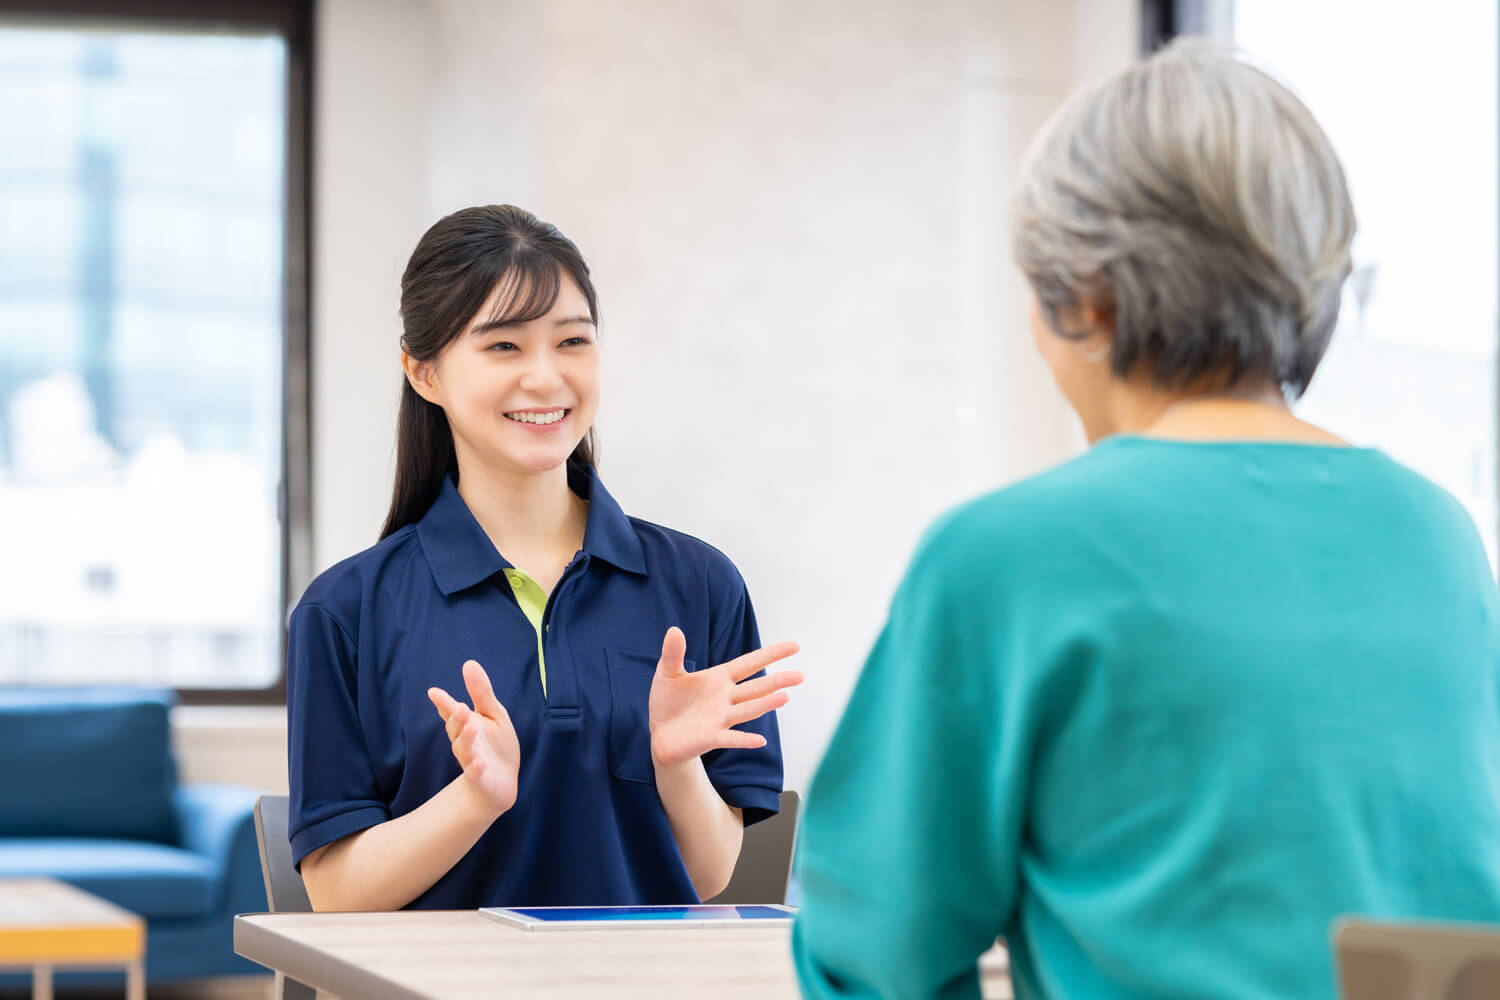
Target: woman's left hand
{"x": 694, "y": 712}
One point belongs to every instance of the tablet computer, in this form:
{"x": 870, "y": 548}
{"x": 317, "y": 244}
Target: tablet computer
{"x": 547, "y": 918}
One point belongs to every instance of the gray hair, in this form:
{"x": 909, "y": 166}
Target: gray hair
{"x": 1200, "y": 200}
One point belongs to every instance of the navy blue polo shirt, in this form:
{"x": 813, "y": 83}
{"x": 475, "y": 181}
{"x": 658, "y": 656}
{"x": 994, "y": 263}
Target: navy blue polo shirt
{"x": 374, "y": 632}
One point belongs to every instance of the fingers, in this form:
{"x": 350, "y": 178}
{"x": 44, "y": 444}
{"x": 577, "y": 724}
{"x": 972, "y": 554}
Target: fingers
{"x": 442, "y": 701}
{"x": 458, "y": 720}
{"x": 745, "y": 711}
{"x": 481, "y": 693}
{"x": 735, "y": 739}
{"x": 453, "y": 713}
{"x": 464, "y": 729}
{"x": 757, "y": 660}
{"x": 464, "y": 741}
{"x": 673, "y": 649}
{"x": 761, "y": 686}
{"x": 465, "y": 726}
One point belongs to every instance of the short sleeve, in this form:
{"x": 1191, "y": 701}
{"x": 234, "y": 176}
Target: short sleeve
{"x": 334, "y": 792}
{"x": 746, "y": 779}
{"x": 909, "y": 845}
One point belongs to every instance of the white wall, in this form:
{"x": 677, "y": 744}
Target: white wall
{"x": 245, "y": 746}
{"x": 796, "y": 216}
{"x": 370, "y": 156}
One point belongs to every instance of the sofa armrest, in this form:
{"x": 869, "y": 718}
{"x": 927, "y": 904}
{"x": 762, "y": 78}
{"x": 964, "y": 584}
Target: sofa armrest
{"x": 217, "y": 821}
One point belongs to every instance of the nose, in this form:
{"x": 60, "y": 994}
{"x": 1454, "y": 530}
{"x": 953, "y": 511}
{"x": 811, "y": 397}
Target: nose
{"x": 541, "y": 375}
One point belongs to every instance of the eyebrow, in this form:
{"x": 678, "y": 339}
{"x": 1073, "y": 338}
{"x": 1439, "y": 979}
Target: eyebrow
{"x": 500, "y": 324}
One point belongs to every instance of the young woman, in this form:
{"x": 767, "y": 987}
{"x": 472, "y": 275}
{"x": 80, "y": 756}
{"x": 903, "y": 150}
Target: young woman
{"x": 619, "y": 732}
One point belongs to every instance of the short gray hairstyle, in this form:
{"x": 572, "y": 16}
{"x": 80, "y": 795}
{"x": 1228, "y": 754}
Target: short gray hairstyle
{"x": 1199, "y": 199}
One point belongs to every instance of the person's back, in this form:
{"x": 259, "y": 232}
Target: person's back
{"x": 1203, "y": 698}
{"x": 1272, "y": 686}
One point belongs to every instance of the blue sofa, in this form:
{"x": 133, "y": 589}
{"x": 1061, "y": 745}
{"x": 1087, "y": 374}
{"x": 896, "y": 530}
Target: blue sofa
{"x": 91, "y": 797}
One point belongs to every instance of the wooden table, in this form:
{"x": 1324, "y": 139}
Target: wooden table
{"x": 47, "y": 925}
{"x": 455, "y": 955}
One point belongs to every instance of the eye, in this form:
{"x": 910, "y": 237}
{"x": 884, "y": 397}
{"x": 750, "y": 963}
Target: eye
{"x": 502, "y": 346}
{"x": 574, "y": 342}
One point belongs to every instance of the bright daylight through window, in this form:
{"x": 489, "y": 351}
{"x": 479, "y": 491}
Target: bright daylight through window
{"x": 1413, "y": 114}
{"x": 142, "y": 246}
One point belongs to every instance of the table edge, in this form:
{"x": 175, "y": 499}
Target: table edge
{"x": 310, "y": 965}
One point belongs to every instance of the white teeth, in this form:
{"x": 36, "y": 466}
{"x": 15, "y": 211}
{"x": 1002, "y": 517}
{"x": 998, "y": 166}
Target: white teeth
{"x": 550, "y": 417}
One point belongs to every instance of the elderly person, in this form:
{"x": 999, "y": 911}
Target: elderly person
{"x": 1162, "y": 714}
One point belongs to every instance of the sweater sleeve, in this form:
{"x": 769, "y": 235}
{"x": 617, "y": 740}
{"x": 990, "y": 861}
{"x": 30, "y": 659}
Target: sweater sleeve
{"x": 909, "y": 851}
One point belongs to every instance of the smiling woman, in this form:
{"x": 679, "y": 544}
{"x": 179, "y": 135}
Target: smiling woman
{"x": 594, "y": 763}
{"x": 501, "y": 280}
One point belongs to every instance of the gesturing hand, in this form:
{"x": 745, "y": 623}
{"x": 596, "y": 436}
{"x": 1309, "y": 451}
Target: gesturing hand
{"x": 693, "y": 713}
{"x": 484, "y": 741}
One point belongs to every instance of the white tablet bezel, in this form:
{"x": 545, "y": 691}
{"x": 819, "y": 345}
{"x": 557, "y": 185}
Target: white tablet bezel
{"x": 512, "y": 918}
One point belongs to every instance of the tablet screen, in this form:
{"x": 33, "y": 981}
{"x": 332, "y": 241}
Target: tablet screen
{"x": 554, "y": 914}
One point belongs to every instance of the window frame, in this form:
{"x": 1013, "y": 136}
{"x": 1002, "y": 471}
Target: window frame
{"x": 293, "y": 20}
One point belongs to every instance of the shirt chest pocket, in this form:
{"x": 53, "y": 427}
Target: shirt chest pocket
{"x": 630, "y": 677}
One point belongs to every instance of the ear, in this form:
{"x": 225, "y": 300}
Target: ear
{"x": 422, "y": 376}
{"x": 1090, "y": 324}
{"x": 1095, "y": 314}
{"x": 1085, "y": 319}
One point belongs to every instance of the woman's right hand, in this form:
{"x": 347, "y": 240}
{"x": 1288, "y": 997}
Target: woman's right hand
{"x": 484, "y": 741}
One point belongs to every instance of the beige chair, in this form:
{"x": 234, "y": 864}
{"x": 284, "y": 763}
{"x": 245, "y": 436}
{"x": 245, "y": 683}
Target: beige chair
{"x": 1417, "y": 961}
{"x": 765, "y": 864}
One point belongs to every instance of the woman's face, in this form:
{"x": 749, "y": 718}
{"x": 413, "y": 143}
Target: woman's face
{"x": 1081, "y": 368}
{"x": 519, "y": 396}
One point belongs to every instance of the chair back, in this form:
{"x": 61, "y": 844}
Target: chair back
{"x": 1417, "y": 961}
{"x": 765, "y": 864}
{"x": 285, "y": 892}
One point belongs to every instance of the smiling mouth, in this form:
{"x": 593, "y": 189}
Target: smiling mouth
{"x": 539, "y": 417}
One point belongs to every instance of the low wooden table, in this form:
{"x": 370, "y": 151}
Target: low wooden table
{"x": 47, "y": 925}
{"x": 455, "y": 955}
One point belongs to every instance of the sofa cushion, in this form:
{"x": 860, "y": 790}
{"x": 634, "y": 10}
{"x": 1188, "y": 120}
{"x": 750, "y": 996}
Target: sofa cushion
{"x": 152, "y": 880}
{"x": 92, "y": 762}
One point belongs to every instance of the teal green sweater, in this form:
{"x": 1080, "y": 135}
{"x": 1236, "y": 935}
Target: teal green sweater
{"x": 1158, "y": 717}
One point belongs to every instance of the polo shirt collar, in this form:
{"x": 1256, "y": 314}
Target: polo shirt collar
{"x": 460, "y": 554}
{"x": 608, "y": 535}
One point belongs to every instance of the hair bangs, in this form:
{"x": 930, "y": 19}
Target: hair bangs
{"x": 528, "y": 288}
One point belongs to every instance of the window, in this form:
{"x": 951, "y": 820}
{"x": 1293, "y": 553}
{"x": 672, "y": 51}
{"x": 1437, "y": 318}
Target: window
{"x": 152, "y": 345}
{"x": 1413, "y": 114}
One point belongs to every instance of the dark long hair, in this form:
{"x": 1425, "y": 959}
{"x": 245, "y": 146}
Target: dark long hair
{"x": 456, "y": 266}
